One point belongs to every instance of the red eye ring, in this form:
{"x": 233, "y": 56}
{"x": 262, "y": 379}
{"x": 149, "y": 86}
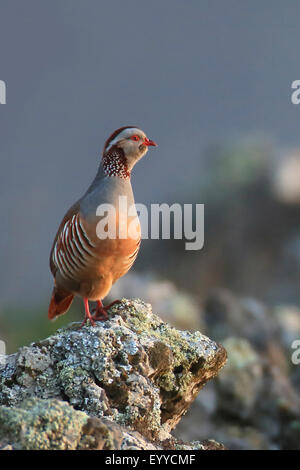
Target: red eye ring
{"x": 136, "y": 138}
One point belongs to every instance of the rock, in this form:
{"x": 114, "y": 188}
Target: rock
{"x": 55, "y": 425}
{"x": 288, "y": 318}
{"x": 286, "y": 178}
{"x": 227, "y": 315}
{"x": 244, "y": 438}
{"x": 174, "y": 306}
{"x": 241, "y": 381}
{"x": 42, "y": 424}
{"x": 132, "y": 373}
{"x": 254, "y": 403}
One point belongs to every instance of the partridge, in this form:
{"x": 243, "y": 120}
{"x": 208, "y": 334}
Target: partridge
{"x": 82, "y": 263}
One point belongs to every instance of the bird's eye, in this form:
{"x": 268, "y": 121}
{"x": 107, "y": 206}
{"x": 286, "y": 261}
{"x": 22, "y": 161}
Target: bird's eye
{"x": 135, "y": 138}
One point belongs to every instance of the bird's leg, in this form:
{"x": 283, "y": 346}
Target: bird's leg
{"x": 101, "y": 313}
{"x": 107, "y": 307}
{"x": 88, "y": 315}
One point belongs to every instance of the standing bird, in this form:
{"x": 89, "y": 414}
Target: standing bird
{"x": 82, "y": 263}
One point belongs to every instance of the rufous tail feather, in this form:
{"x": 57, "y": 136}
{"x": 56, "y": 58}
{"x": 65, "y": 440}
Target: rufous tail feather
{"x": 60, "y": 303}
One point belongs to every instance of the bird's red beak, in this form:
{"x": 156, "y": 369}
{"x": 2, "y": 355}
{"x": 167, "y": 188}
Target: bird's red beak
{"x": 149, "y": 143}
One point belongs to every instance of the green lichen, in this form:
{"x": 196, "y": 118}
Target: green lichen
{"x": 42, "y": 424}
{"x": 71, "y": 378}
{"x": 184, "y": 354}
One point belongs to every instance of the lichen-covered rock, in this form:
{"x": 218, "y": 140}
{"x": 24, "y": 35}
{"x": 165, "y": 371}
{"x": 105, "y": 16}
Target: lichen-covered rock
{"x": 175, "y": 306}
{"x": 241, "y": 381}
{"x": 39, "y": 424}
{"x": 42, "y": 424}
{"x": 53, "y": 424}
{"x": 133, "y": 369}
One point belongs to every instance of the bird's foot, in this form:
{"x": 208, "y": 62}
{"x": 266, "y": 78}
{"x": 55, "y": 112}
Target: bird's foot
{"x": 88, "y": 315}
{"x": 101, "y": 313}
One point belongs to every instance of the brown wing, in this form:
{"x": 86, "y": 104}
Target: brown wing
{"x": 68, "y": 216}
{"x": 88, "y": 265}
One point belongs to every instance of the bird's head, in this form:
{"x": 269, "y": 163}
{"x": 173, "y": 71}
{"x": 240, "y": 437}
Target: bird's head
{"x": 128, "y": 143}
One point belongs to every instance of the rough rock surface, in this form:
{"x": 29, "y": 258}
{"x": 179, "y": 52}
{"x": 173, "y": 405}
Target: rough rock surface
{"x": 241, "y": 381}
{"x": 124, "y": 383}
{"x": 53, "y": 424}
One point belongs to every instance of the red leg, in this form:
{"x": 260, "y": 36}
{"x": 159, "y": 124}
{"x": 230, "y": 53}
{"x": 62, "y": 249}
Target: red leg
{"x": 107, "y": 307}
{"x": 88, "y": 315}
{"x": 101, "y": 313}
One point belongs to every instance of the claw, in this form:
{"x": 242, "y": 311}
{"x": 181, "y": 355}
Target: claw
{"x": 101, "y": 313}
